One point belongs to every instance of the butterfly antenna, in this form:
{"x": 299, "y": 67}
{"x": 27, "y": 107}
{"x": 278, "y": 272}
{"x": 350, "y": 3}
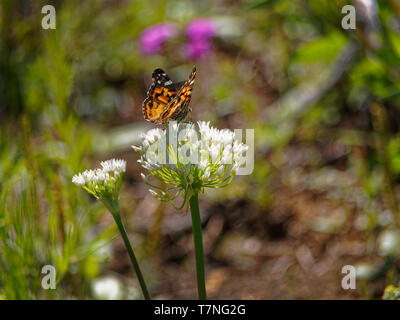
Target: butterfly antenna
{"x": 192, "y": 75}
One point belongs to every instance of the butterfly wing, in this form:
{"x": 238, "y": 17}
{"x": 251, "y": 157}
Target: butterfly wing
{"x": 179, "y": 107}
{"x": 160, "y": 94}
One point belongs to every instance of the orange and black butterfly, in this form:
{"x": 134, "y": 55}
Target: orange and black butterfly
{"x": 166, "y": 100}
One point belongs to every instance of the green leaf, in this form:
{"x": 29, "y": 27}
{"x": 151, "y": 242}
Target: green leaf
{"x": 321, "y": 50}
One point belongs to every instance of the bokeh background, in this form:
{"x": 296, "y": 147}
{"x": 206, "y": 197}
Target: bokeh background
{"x": 324, "y": 103}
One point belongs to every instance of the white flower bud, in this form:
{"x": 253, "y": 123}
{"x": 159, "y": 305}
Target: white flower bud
{"x": 220, "y": 170}
{"x": 154, "y": 193}
{"x": 137, "y": 149}
{"x": 206, "y": 174}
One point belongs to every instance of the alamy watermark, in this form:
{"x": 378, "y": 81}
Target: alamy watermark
{"x": 349, "y": 280}
{"x": 49, "y": 279}
{"x": 180, "y": 144}
{"x": 349, "y": 20}
{"x": 49, "y": 20}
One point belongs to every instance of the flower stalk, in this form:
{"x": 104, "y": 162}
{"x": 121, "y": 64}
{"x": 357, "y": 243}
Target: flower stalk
{"x": 198, "y": 245}
{"x": 113, "y": 207}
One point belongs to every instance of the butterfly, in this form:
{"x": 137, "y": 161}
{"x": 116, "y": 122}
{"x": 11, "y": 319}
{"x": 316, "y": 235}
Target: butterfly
{"x": 166, "y": 100}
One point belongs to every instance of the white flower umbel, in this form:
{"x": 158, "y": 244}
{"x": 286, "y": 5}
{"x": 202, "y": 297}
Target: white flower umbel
{"x": 104, "y": 183}
{"x": 188, "y": 160}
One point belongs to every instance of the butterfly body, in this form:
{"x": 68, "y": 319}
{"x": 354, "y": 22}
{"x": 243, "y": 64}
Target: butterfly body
{"x": 168, "y": 101}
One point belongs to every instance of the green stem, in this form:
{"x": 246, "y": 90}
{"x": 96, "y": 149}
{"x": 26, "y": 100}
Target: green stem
{"x": 115, "y": 211}
{"x": 198, "y": 245}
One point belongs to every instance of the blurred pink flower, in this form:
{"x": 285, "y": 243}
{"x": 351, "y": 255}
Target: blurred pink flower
{"x": 199, "y": 33}
{"x": 152, "y": 38}
{"x": 196, "y": 49}
{"x": 200, "y": 29}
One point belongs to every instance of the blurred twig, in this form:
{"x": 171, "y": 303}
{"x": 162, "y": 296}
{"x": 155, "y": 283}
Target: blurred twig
{"x": 349, "y": 137}
{"x": 283, "y": 113}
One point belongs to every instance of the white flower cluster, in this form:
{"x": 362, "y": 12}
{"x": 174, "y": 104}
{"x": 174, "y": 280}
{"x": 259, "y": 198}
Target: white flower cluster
{"x": 219, "y": 147}
{"x": 187, "y": 158}
{"x": 102, "y": 182}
